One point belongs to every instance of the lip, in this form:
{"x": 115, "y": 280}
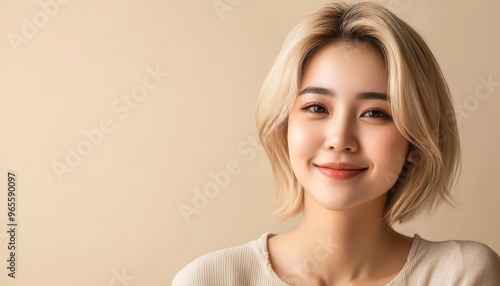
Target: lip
{"x": 340, "y": 171}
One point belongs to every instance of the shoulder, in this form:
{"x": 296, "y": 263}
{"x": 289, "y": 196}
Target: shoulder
{"x": 462, "y": 261}
{"x": 470, "y": 253}
{"x": 231, "y": 266}
{"x": 479, "y": 260}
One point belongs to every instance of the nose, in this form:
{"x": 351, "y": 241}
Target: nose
{"x": 340, "y": 135}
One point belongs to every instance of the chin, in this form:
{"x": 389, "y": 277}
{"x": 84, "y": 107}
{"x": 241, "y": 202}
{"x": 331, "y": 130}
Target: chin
{"x": 343, "y": 200}
{"x": 334, "y": 202}
{"x": 339, "y": 206}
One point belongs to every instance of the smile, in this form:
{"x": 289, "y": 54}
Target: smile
{"x": 340, "y": 171}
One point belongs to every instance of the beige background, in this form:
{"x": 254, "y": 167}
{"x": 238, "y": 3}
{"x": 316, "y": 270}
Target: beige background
{"x": 117, "y": 211}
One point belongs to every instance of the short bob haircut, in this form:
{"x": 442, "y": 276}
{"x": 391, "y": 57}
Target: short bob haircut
{"x": 419, "y": 99}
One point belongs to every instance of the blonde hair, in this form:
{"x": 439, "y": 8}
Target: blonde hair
{"x": 418, "y": 95}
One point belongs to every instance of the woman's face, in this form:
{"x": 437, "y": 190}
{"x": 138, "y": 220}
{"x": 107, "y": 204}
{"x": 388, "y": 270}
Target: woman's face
{"x": 344, "y": 147}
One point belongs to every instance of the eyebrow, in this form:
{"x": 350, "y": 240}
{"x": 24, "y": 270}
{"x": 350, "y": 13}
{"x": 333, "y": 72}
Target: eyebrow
{"x": 365, "y": 95}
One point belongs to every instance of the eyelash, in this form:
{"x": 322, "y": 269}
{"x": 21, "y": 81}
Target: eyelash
{"x": 308, "y": 106}
{"x": 382, "y": 114}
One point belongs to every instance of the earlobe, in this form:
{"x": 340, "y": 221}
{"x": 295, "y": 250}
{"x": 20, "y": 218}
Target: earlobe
{"x": 409, "y": 155}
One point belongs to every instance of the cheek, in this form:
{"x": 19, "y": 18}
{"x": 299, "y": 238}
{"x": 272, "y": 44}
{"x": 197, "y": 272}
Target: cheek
{"x": 304, "y": 139}
{"x": 387, "y": 149}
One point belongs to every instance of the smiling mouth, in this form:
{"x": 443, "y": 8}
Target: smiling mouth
{"x": 340, "y": 171}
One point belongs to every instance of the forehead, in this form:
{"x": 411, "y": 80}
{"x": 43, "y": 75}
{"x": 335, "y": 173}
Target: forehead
{"x": 346, "y": 67}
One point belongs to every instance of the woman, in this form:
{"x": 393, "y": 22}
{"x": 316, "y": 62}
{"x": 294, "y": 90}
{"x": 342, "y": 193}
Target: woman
{"x": 358, "y": 123}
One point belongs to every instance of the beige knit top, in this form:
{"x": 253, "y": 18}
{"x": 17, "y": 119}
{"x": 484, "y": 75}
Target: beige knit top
{"x": 431, "y": 263}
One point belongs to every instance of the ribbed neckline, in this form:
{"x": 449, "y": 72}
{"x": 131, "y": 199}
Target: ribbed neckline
{"x": 410, "y": 261}
{"x": 261, "y": 245}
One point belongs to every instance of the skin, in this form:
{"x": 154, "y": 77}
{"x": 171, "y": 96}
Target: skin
{"x": 342, "y": 239}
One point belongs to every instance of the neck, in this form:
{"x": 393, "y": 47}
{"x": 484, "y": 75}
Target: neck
{"x": 355, "y": 243}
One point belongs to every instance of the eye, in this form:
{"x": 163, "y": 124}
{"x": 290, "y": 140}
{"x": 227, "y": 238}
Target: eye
{"x": 315, "y": 108}
{"x": 376, "y": 113}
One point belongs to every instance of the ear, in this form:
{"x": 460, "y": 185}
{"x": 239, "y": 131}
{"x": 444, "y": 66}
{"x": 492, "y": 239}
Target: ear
{"x": 410, "y": 155}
